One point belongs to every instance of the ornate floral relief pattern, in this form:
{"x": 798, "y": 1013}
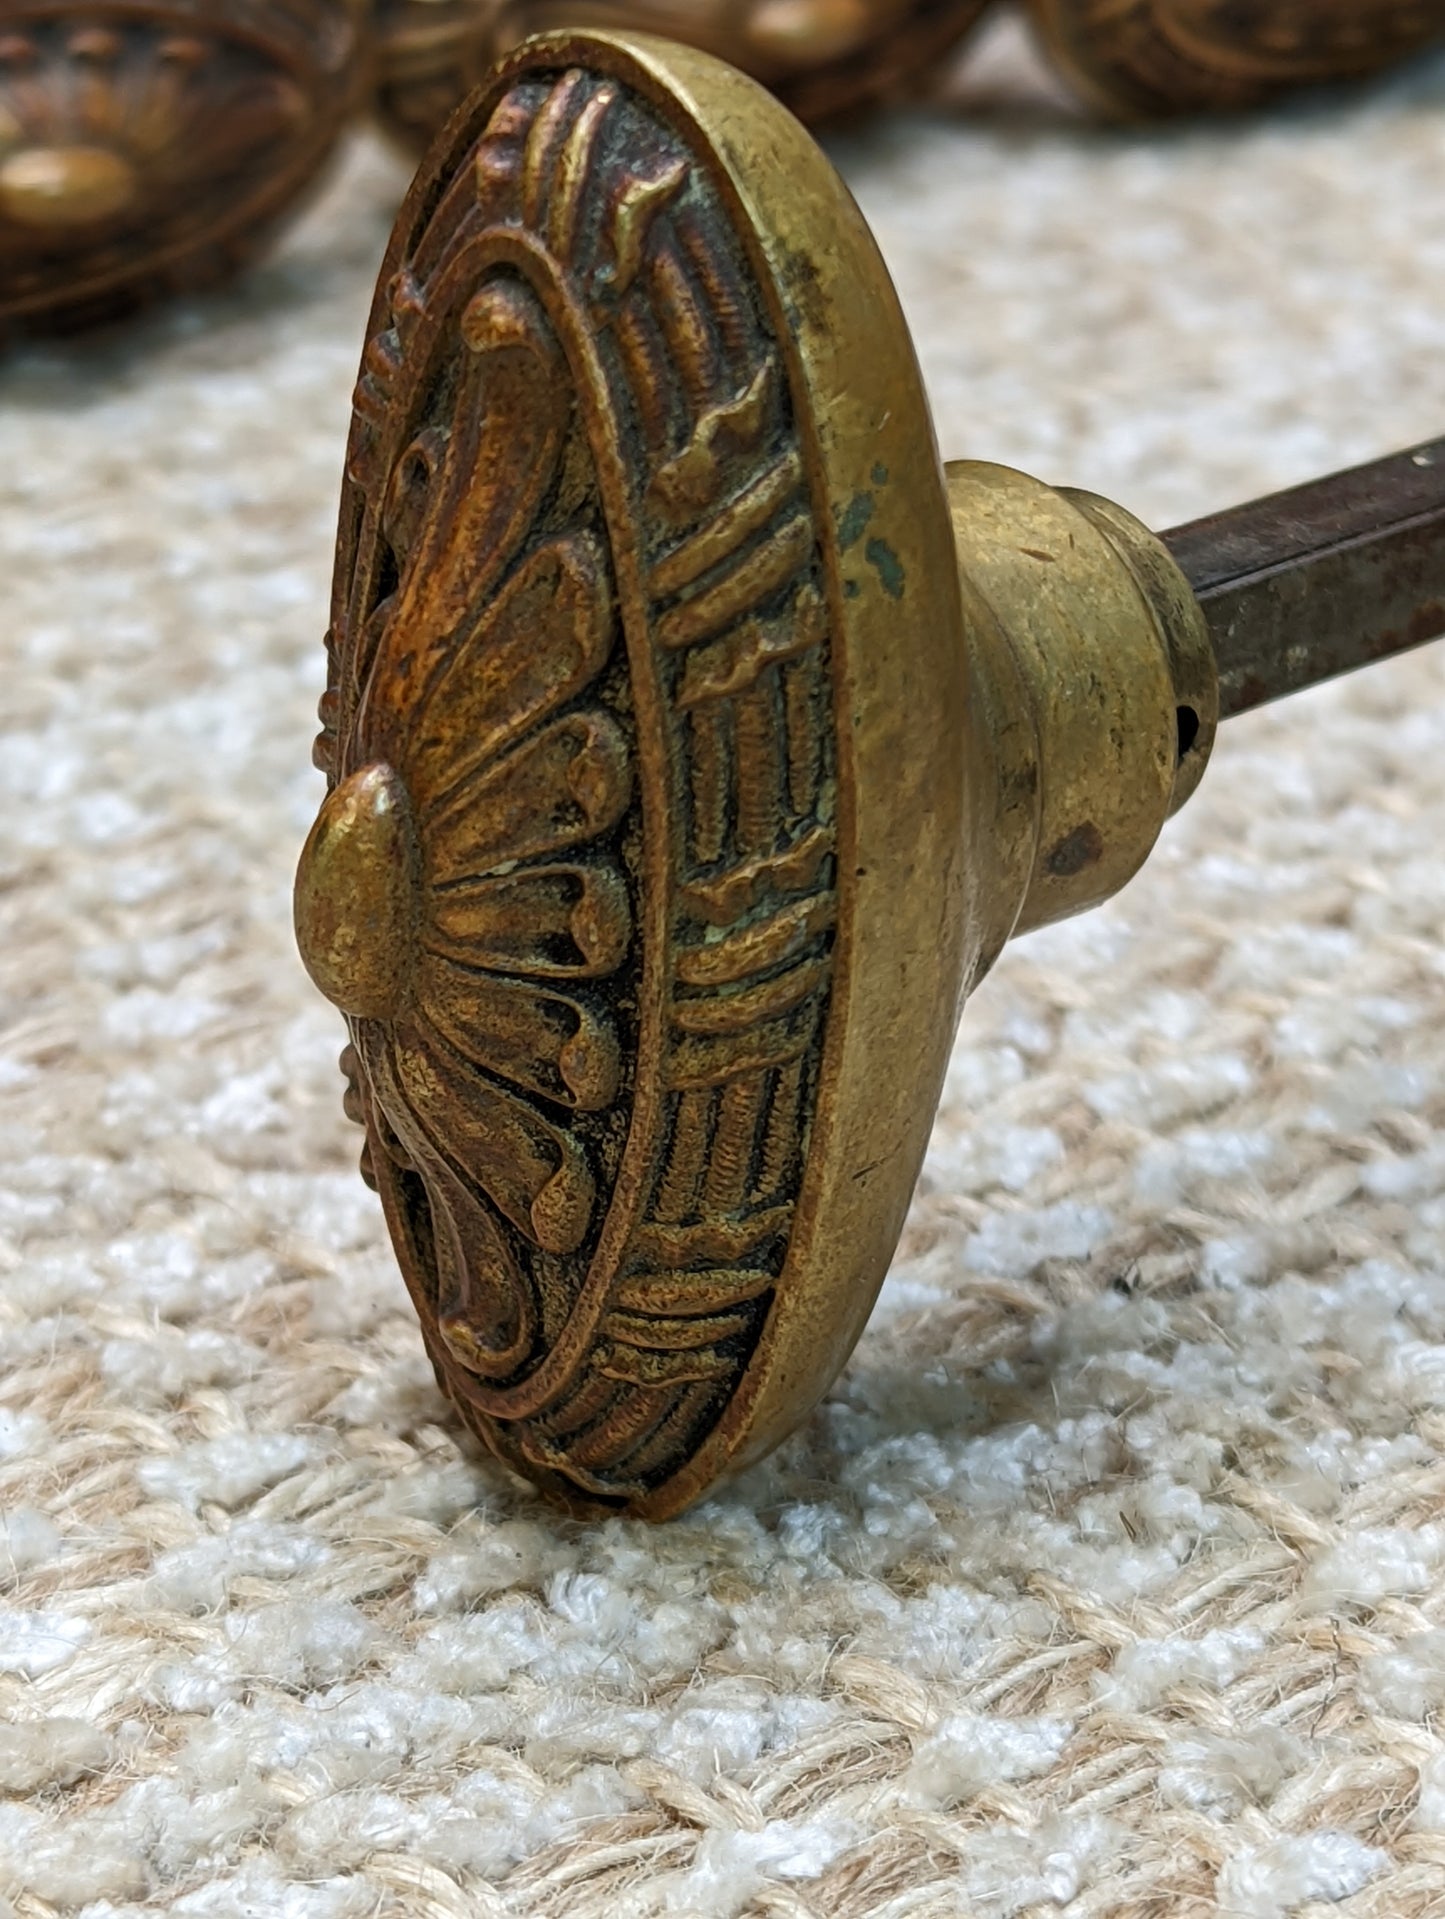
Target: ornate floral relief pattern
{"x": 573, "y": 883}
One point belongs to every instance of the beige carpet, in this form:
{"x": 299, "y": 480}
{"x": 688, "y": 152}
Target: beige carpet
{"x": 1111, "y": 1578}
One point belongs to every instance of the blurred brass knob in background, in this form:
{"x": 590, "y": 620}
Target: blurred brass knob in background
{"x": 150, "y": 146}
{"x": 428, "y": 54}
{"x": 822, "y": 57}
{"x": 694, "y": 745}
{"x": 827, "y": 57}
{"x": 1168, "y": 56}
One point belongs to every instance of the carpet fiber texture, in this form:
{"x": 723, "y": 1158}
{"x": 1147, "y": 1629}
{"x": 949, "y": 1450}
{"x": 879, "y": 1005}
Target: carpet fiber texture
{"x": 1110, "y": 1579}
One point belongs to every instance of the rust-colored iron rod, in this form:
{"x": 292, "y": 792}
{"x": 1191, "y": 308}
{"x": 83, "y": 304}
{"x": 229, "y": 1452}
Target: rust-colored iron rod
{"x": 1311, "y": 583}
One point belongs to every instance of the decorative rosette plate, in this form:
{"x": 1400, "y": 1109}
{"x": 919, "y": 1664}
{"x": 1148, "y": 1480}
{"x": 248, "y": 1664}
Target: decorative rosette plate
{"x": 1170, "y": 56}
{"x": 822, "y": 57}
{"x": 148, "y": 146}
{"x": 645, "y": 814}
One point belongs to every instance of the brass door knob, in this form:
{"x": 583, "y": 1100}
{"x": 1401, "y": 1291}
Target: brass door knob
{"x": 823, "y": 57}
{"x": 429, "y": 53}
{"x": 150, "y": 146}
{"x": 694, "y": 745}
{"x": 1171, "y": 56}
{"x": 827, "y": 57}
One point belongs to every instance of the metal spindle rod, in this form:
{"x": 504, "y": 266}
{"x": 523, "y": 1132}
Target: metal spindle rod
{"x": 1307, "y": 584}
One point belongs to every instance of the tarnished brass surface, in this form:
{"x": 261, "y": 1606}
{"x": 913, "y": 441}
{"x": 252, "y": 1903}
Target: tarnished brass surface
{"x": 149, "y": 146}
{"x": 823, "y": 57}
{"x": 1172, "y": 56}
{"x": 1105, "y": 654}
{"x": 691, "y": 750}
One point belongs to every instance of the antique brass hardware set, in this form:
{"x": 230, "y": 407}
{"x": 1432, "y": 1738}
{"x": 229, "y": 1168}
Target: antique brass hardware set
{"x": 694, "y": 744}
{"x": 151, "y": 146}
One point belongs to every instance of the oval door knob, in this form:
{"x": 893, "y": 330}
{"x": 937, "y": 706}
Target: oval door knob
{"x": 694, "y": 743}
